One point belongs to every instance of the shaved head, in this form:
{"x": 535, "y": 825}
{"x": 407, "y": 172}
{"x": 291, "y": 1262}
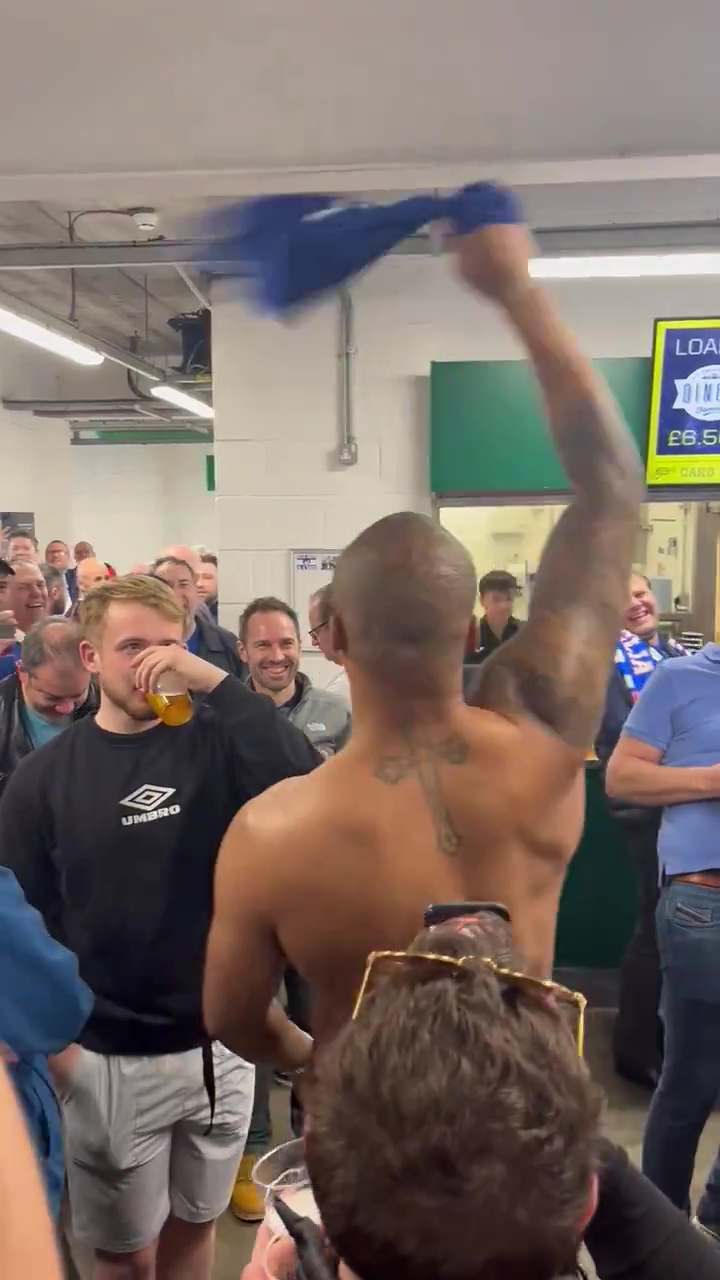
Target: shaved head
{"x": 403, "y": 595}
{"x": 190, "y": 556}
{"x": 89, "y": 573}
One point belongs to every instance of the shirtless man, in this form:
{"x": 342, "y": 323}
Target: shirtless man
{"x": 434, "y": 800}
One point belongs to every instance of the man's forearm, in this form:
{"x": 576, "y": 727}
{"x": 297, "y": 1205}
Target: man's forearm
{"x": 643, "y": 782}
{"x": 590, "y": 436}
{"x": 278, "y": 1042}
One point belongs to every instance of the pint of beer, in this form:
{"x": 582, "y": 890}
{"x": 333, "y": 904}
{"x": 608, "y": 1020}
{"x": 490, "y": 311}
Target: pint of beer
{"x": 171, "y": 701}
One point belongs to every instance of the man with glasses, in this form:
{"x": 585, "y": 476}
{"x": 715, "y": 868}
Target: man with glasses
{"x": 49, "y": 690}
{"x": 320, "y": 618}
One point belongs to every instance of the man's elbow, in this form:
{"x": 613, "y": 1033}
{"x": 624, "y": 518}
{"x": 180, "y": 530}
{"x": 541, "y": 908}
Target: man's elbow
{"x": 618, "y": 485}
{"x": 618, "y": 779}
{"x": 222, "y": 1023}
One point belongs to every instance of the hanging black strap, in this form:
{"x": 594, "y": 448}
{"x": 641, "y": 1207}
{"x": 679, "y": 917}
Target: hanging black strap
{"x": 209, "y": 1079}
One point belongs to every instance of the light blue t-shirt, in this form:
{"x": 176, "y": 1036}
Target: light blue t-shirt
{"x": 678, "y": 712}
{"x": 39, "y": 729}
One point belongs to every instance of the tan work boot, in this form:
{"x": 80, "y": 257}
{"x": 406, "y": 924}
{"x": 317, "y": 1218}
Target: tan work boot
{"x": 247, "y": 1202}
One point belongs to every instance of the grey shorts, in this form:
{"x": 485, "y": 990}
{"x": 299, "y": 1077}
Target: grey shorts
{"x": 138, "y": 1146}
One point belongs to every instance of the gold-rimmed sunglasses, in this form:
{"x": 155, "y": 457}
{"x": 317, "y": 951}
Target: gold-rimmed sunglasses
{"x": 381, "y": 964}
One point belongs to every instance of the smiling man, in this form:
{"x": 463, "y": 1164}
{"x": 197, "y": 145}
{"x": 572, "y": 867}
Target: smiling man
{"x": 640, "y": 649}
{"x": 270, "y": 645}
{"x": 26, "y": 598}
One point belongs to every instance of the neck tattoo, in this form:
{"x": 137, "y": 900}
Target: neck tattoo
{"x": 422, "y": 760}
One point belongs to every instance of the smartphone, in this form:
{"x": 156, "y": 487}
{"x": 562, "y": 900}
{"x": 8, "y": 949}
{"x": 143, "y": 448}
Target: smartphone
{"x": 7, "y": 630}
{"x": 441, "y": 912}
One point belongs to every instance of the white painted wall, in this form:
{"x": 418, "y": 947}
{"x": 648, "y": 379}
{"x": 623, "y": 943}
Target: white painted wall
{"x": 275, "y": 397}
{"x": 35, "y": 471}
{"x": 131, "y": 500}
{"x": 128, "y": 500}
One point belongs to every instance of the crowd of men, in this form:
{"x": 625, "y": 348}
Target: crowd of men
{"x": 160, "y": 881}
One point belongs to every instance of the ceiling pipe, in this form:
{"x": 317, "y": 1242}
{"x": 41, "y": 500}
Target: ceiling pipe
{"x": 58, "y": 407}
{"x": 188, "y": 253}
{"x": 347, "y": 454}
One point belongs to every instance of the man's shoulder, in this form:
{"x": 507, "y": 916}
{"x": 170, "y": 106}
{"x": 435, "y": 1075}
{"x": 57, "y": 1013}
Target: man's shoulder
{"x": 285, "y": 820}
{"x": 324, "y": 700}
{"x": 45, "y": 760}
{"x": 8, "y": 689}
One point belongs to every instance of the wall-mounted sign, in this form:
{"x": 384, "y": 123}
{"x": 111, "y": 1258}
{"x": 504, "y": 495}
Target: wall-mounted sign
{"x": 684, "y": 436}
{"x": 309, "y": 571}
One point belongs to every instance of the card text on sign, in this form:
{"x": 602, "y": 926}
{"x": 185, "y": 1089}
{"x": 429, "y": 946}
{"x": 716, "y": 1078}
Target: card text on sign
{"x": 684, "y": 436}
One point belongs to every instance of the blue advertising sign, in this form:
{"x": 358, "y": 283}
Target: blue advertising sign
{"x": 684, "y": 436}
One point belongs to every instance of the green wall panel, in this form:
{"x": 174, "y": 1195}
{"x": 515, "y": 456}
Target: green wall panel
{"x": 488, "y": 432}
{"x": 598, "y": 909}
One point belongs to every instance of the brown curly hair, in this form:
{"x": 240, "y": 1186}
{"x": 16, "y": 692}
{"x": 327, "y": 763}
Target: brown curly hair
{"x": 452, "y": 1131}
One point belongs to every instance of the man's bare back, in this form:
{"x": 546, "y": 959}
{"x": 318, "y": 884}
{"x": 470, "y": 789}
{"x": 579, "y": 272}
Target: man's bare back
{"x": 433, "y": 800}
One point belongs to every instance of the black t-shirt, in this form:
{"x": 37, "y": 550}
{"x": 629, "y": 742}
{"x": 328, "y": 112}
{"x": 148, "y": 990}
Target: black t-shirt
{"x": 488, "y": 641}
{"x": 637, "y": 1234}
{"x": 114, "y": 839}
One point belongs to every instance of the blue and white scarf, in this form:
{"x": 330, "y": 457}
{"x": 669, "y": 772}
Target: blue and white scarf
{"x": 636, "y": 660}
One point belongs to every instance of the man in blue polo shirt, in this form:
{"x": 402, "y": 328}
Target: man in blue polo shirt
{"x": 669, "y": 755}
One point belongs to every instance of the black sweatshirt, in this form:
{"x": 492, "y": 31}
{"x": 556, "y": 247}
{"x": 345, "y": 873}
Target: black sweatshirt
{"x": 637, "y": 1234}
{"x": 114, "y": 839}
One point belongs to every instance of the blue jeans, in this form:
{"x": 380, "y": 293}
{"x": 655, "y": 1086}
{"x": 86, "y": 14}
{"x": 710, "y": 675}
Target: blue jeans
{"x": 259, "y": 1139}
{"x": 688, "y": 934}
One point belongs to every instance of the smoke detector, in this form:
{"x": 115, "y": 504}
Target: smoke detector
{"x": 145, "y": 219}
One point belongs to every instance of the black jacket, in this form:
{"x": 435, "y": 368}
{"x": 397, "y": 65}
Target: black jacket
{"x": 618, "y": 705}
{"x": 488, "y": 641}
{"x": 218, "y": 646}
{"x": 14, "y": 741}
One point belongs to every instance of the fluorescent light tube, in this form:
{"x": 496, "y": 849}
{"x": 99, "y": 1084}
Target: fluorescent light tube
{"x": 173, "y": 395}
{"x": 628, "y": 266}
{"x": 41, "y": 336}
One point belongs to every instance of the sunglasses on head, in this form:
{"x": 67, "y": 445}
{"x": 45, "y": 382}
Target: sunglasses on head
{"x": 381, "y": 964}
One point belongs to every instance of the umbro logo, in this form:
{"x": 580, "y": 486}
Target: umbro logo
{"x": 151, "y": 803}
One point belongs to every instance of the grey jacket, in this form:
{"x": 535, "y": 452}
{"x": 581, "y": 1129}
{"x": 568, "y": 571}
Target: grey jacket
{"x": 323, "y": 717}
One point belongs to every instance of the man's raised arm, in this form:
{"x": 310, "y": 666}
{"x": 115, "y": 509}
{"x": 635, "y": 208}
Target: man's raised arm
{"x": 556, "y": 668}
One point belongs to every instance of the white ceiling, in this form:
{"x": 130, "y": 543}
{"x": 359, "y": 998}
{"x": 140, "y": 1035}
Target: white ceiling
{"x": 602, "y": 110}
{"x": 232, "y": 86}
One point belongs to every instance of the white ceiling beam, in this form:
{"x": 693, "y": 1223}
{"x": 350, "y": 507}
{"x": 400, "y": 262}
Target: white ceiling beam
{"x": 76, "y": 189}
{"x": 161, "y": 254}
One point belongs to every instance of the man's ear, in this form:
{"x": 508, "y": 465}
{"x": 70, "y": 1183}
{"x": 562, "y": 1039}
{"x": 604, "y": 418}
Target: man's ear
{"x": 243, "y": 652}
{"x": 592, "y": 1204}
{"x": 89, "y": 658}
{"x": 338, "y": 635}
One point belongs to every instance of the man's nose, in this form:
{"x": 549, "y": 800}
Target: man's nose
{"x": 64, "y": 708}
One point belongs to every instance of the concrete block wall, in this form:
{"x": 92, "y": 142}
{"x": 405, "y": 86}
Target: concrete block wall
{"x": 276, "y": 405}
